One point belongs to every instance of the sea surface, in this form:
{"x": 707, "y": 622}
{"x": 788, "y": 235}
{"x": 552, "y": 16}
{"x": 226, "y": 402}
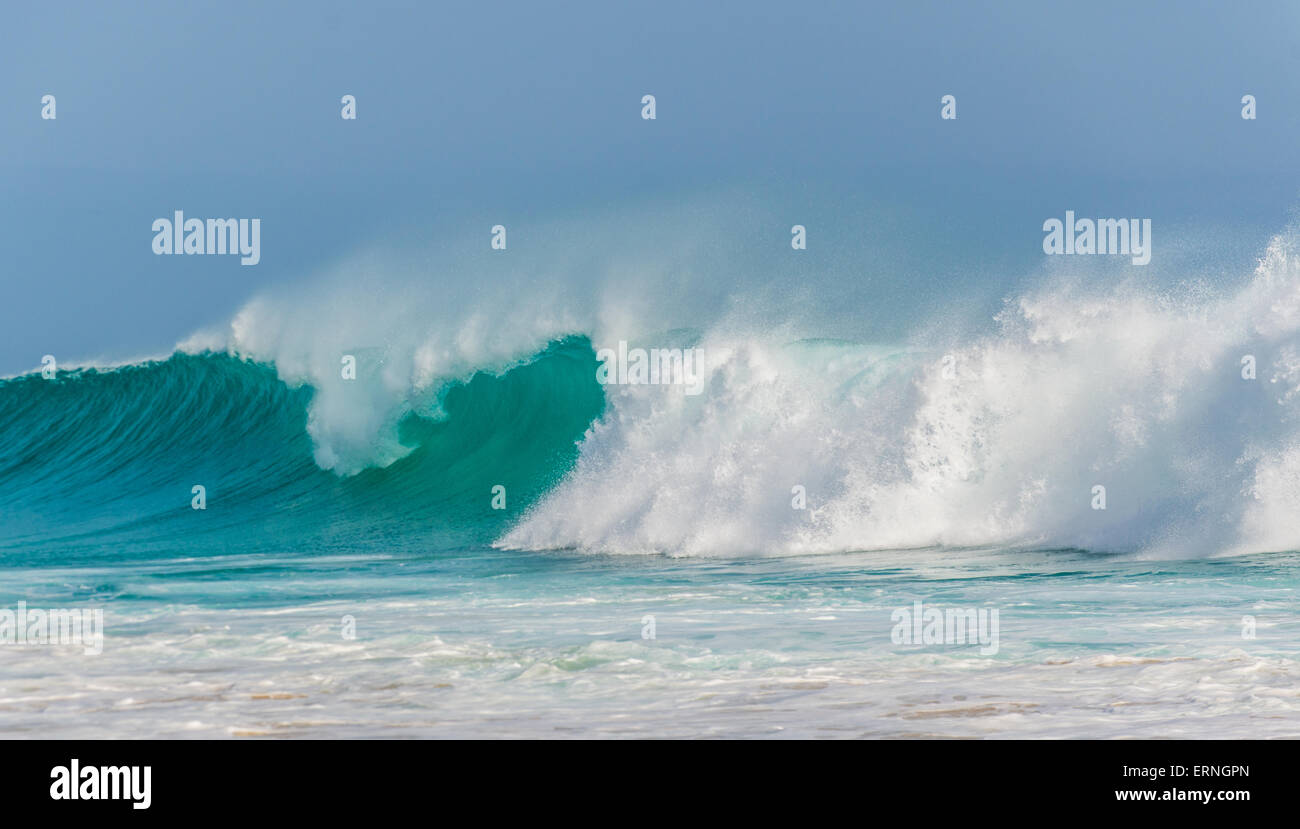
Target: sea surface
{"x": 474, "y": 537}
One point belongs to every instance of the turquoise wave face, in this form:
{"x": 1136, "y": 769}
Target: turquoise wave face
{"x": 102, "y": 463}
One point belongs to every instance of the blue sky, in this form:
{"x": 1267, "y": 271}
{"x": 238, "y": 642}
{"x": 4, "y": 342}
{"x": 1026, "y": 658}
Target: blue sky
{"x": 471, "y": 110}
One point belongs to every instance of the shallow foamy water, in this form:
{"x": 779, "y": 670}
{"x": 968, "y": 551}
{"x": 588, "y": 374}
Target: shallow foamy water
{"x": 491, "y": 644}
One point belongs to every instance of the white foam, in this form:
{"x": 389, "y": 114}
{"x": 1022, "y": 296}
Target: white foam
{"x": 1123, "y": 388}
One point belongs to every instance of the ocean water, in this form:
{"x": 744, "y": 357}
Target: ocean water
{"x": 728, "y": 563}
